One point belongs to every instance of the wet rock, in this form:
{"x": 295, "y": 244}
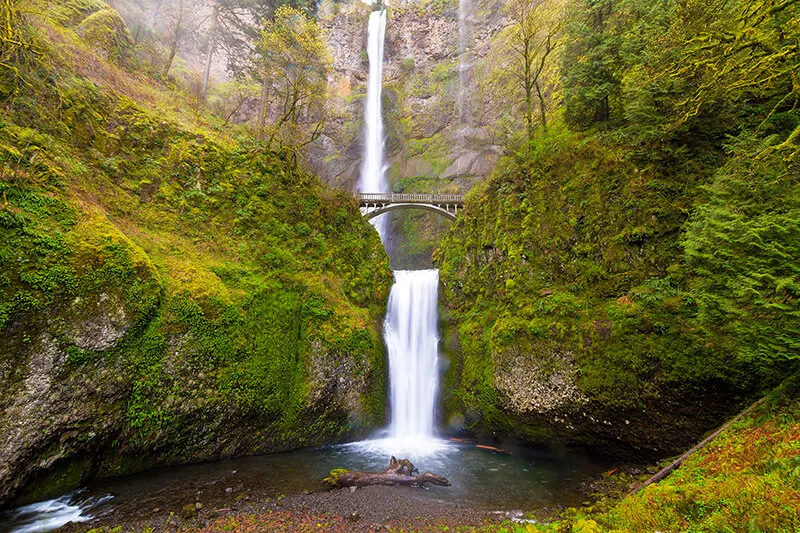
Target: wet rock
{"x": 104, "y": 324}
{"x": 540, "y": 381}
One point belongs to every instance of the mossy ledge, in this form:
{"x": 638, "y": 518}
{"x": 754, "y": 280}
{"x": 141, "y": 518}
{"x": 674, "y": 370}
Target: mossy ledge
{"x": 574, "y": 314}
{"x": 169, "y": 293}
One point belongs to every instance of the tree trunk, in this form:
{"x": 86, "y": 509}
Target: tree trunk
{"x": 262, "y": 119}
{"x": 602, "y": 112}
{"x": 542, "y": 108}
{"x": 664, "y": 472}
{"x": 174, "y": 46}
{"x": 212, "y": 43}
{"x": 399, "y": 473}
{"x": 528, "y": 83}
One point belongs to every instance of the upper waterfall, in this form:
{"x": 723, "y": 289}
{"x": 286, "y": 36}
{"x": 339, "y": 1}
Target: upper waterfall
{"x": 373, "y": 167}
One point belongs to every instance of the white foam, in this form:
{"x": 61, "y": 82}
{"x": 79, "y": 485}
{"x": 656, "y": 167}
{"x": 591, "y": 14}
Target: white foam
{"x": 48, "y": 515}
{"x": 413, "y": 448}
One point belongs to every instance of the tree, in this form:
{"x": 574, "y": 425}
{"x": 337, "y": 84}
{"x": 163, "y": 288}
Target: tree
{"x": 534, "y": 34}
{"x": 295, "y": 63}
{"x": 591, "y": 62}
{"x": 14, "y": 44}
{"x": 748, "y": 52}
{"x": 176, "y": 35}
{"x": 743, "y": 243}
{"x": 520, "y": 56}
{"x": 234, "y": 27}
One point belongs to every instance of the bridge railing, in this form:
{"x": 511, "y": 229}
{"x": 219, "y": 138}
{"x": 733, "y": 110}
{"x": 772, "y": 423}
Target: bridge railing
{"x": 395, "y": 198}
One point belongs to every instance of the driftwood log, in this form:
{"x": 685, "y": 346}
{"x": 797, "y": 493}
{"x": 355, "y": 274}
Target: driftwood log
{"x": 664, "y": 472}
{"x": 400, "y": 472}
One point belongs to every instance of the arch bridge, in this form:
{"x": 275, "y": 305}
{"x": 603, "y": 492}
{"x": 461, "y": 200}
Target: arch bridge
{"x": 374, "y": 204}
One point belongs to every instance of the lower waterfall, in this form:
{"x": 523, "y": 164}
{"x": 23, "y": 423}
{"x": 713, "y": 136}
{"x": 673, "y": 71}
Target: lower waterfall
{"x": 412, "y": 340}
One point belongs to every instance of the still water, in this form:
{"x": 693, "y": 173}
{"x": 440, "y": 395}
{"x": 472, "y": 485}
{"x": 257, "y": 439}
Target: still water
{"x": 516, "y": 478}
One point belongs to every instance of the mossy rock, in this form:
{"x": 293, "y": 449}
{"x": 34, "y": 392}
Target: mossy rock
{"x": 107, "y": 34}
{"x": 70, "y": 13}
{"x": 220, "y": 277}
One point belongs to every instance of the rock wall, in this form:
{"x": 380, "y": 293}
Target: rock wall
{"x": 166, "y": 295}
{"x": 438, "y": 126}
{"x": 566, "y": 320}
{"x": 436, "y": 121}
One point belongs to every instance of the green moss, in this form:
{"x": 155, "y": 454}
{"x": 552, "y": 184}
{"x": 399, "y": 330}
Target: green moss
{"x": 744, "y": 480}
{"x": 231, "y": 267}
{"x": 574, "y": 247}
{"x": 58, "y": 479}
{"x": 106, "y": 32}
{"x": 71, "y": 12}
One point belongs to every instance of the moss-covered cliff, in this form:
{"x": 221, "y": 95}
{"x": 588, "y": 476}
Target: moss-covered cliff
{"x": 168, "y": 293}
{"x": 578, "y": 315}
{"x": 630, "y": 276}
{"x": 560, "y": 280}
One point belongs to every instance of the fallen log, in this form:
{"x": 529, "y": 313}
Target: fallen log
{"x": 400, "y": 472}
{"x": 667, "y": 470}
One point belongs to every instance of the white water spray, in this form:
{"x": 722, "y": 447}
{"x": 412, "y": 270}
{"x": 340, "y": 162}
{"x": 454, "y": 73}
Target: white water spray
{"x": 373, "y": 168}
{"x": 52, "y": 514}
{"x": 410, "y": 329}
{"x": 411, "y": 336}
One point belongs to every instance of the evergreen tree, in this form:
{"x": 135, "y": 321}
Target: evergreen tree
{"x": 591, "y": 62}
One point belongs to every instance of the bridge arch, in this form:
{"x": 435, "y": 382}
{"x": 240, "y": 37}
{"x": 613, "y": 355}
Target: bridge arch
{"x": 372, "y": 213}
{"x": 376, "y": 204}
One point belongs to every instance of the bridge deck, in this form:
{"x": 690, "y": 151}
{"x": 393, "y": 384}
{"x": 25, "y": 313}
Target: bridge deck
{"x": 392, "y": 198}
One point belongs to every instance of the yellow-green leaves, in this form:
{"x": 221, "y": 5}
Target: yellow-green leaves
{"x": 295, "y": 63}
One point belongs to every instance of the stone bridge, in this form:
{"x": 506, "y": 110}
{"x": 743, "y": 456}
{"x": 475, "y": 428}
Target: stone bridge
{"x": 374, "y": 204}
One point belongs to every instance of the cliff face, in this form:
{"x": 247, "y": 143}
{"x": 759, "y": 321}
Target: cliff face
{"x": 168, "y": 294}
{"x": 571, "y": 320}
{"x": 436, "y": 120}
{"x": 438, "y": 125}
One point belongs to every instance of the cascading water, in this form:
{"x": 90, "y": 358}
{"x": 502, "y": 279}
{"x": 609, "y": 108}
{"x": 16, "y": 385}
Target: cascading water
{"x": 411, "y": 320}
{"x": 410, "y": 332}
{"x": 411, "y": 336}
{"x": 373, "y": 169}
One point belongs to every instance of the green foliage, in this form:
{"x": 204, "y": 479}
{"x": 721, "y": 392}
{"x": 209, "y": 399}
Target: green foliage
{"x": 741, "y": 246}
{"x": 295, "y": 61}
{"x": 656, "y": 246}
{"x": 744, "y": 480}
{"x": 70, "y": 13}
{"x": 228, "y": 268}
{"x": 591, "y": 62}
{"x": 519, "y": 67}
{"x": 17, "y": 47}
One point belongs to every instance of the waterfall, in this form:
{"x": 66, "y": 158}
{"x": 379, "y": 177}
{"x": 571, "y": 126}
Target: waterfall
{"x": 373, "y": 169}
{"x": 411, "y": 336}
{"x": 410, "y": 328}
